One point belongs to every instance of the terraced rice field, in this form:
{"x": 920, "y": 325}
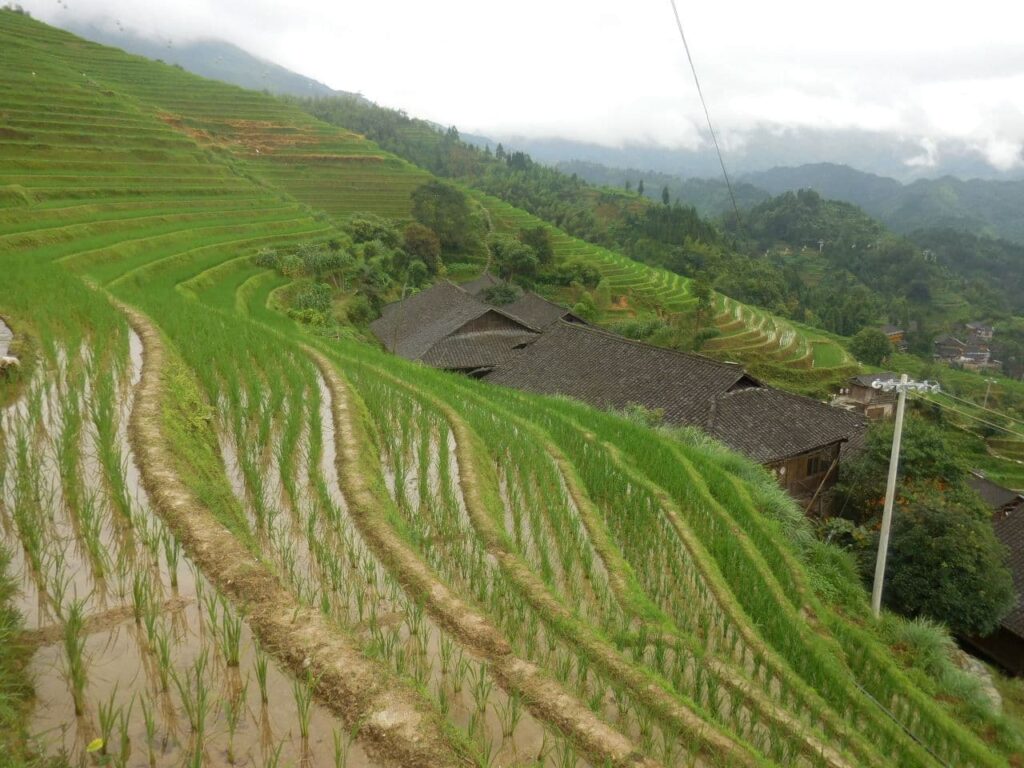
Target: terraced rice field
{"x": 748, "y": 334}
{"x": 240, "y": 544}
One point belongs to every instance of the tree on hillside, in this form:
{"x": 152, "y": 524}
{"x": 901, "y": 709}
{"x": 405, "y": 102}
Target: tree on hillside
{"x": 871, "y": 346}
{"x": 700, "y": 289}
{"x": 422, "y": 243}
{"x": 444, "y": 209}
{"x": 948, "y": 566}
{"x": 665, "y": 196}
{"x": 515, "y": 261}
{"x": 640, "y": 188}
{"x": 944, "y": 560}
{"x": 365, "y": 227}
{"x": 539, "y": 239}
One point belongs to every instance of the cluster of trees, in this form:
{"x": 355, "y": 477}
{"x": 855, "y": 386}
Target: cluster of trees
{"x": 377, "y": 256}
{"x": 944, "y": 560}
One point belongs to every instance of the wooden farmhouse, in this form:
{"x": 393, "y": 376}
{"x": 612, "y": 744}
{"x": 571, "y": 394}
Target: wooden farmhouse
{"x": 448, "y": 327}
{"x": 896, "y": 335}
{"x": 538, "y": 346}
{"x": 798, "y": 439}
{"x": 859, "y": 395}
{"x": 1005, "y": 646}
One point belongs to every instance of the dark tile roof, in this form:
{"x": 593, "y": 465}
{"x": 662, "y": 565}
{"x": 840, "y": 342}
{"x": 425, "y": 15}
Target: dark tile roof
{"x": 411, "y": 327}
{"x": 609, "y": 371}
{"x": 533, "y": 309}
{"x": 978, "y": 326}
{"x": 475, "y": 350}
{"x": 1009, "y": 530}
{"x": 1008, "y": 523}
{"x": 769, "y": 425}
{"x": 891, "y": 329}
{"x": 993, "y": 494}
{"x": 480, "y": 284}
{"x": 947, "y": 339}
{"x": 537, "y": 311}
{"x": 866, "y": 379}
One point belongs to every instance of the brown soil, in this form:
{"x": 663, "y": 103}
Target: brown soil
{"x": 546, "y": 699}
{"x": 397, "y": 726}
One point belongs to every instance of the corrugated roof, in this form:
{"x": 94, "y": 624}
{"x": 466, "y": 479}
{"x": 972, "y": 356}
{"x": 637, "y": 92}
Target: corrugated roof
{"x": 610, "y": 371}
{"x": 769, "y": 425}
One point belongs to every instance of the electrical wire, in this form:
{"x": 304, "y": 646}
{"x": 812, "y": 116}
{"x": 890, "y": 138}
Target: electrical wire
{"x": 707, "y": 114}
{"x": 1000, "y": 414}
{"x": 973, "y": 418}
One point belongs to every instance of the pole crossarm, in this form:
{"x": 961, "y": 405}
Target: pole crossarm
{"x": 906, "y": 385}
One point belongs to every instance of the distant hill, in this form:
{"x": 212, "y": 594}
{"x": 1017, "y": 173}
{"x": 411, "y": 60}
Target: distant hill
{"x": 977, "y": 206}
{"x": 216, "y": 59}
{"x": 709, "y": 196}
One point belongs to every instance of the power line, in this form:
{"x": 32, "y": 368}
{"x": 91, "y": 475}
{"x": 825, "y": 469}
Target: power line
{"x": 707, "y": 114}
{"x": 974, "y": 418}
{"x": 1000, "y": 414}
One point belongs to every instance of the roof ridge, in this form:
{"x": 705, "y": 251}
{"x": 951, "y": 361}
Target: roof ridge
{"x": 637, "y": 343}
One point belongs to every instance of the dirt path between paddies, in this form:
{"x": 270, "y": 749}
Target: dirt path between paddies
{"x": 547, "y": 700}
{"x": 397, "y": 726}
{"x": 617, "y": 568}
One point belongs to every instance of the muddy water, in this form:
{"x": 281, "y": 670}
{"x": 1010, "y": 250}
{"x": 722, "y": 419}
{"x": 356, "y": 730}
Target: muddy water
{"x": 131, "y": 665}
{"x": 374, "y": 607}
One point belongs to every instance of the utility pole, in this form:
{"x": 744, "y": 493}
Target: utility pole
{"x": 987, "y": 390}
{"x": 902, "y": 386}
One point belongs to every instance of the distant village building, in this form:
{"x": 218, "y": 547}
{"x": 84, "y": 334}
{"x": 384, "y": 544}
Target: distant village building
{"x": 859, "y": 395}
{"x": 896, "y": 335}
{"x": 1005, "y": 646}
{"x": 536, "y": 345}
{"x": 976, "y": 331}
{"x": 971, "y": 352}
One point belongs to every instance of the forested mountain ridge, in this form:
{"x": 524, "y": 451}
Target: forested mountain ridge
{"x": 978, "y": 206}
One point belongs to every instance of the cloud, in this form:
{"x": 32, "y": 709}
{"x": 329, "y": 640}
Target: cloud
{"x": 614, "y": 72}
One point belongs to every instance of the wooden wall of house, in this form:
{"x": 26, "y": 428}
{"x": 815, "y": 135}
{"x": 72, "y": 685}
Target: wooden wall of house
{"x": 802, "y": 476}
{"x": 1003, "y": 647}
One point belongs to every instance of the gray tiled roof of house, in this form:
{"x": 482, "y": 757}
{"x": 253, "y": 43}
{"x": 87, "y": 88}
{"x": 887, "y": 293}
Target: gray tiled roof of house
{"x": 610, "y": 371}
{"x": 1010, "y": 531}
{"x": 409, "y": 328}
{"x": 476, "y": 350}
{"x": 536, "y": 311}
{"x": 866, "y": 379}
{"x": 1008, "y": 523}
{"x": 480, "y": 284}
{"x": 769, "y": 425}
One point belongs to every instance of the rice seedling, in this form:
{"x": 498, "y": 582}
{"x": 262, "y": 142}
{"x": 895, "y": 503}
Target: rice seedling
{"x": 261, "y": 663}
{"x": 74, "y": 648}
{"x": 230, "y": 637}
{"x": 303, "y": 691}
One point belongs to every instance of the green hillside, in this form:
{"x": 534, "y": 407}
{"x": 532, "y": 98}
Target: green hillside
{"x": 237, "y": 541}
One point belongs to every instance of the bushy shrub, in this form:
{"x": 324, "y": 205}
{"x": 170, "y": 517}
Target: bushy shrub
{"x": 315, "y": 296}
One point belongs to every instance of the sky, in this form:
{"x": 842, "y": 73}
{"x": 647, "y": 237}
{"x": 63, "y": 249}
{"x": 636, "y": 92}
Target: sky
{"x": 615, "y": 72}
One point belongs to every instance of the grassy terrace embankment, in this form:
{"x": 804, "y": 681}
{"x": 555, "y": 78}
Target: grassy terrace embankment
{"x": 779, "y": 350}
{"x": 524, "y": 580}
